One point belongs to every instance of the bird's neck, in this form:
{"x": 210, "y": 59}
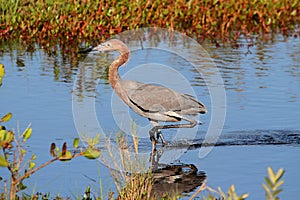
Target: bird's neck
{"x": 114, "y": 76}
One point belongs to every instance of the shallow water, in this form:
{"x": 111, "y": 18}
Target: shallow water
{"x": 262, "y": 113}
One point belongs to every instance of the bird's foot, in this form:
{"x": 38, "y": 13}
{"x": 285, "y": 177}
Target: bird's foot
{"x": 154, "y": 139}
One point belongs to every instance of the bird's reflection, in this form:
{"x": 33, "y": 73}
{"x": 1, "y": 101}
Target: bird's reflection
{"x": 173, "y": 179}
{"x": 160, "y": 180}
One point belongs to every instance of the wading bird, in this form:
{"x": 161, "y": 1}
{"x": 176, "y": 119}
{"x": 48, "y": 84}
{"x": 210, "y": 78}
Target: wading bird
{"x": 157, "y": 103}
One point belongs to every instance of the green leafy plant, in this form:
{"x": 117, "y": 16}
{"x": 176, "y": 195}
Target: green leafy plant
{"x": 273, "y": 184}
{"x": 271, "y": 187}
{"x": 230, "y": 195}
{"x": 2, "y": 73}
{"x": 13, "y": 155}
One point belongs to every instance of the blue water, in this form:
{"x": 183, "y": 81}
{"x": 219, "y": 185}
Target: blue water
{"x": 262, "y": 91}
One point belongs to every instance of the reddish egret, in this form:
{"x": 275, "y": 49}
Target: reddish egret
{"x": 157, "y": 103}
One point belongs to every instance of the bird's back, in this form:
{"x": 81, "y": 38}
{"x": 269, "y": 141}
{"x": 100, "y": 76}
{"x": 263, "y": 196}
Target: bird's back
{"x": 154, "y": 99}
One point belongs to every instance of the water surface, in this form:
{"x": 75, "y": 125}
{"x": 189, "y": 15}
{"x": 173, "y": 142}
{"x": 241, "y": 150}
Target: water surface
{"x": 262, "y": 120}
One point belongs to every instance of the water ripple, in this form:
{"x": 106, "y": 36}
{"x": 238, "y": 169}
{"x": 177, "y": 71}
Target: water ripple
{"x": 256, "y": 137}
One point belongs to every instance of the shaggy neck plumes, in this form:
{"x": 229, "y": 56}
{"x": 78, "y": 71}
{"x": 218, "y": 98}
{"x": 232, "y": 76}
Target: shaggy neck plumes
{"x": 114, "y": 76}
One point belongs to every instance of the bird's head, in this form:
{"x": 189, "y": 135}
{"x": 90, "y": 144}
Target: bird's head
{"x": 112, "y": 45}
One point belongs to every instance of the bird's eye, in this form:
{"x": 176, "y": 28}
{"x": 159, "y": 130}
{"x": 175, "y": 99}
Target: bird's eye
{"x": 108, "y": 44}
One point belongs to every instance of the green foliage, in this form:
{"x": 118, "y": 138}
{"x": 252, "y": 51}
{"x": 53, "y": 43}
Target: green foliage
{"x": 60, "y": 20}
{"x": 92, "y": 153}
{"x": 273, "y": 183}
{"x": 231, "y": 195}
{"x": 3, "y": 162}
{"x": 6, "y": 117}
{"x": 93, "y": 141}
{"x": 6, "y": 136}
{"x": 26, "y": 134}
{"x": 76, "y": 143}
{"x": 2, "y": 73}
{"x": 13, "y": 157}
{"x": 271, "y": 187}
{"x": 64, "y": 155}
{"x": 87, "y": 194}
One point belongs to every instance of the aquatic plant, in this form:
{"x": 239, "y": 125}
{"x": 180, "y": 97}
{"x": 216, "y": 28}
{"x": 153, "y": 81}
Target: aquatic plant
{"x": 72, "y": 22}
{"x": 2, "y": 73}
{"x": 122, "y": 161}
{"x": 230, "y": 195}
{"x": 273, "y": 183}
{"x": 14, "y": 153}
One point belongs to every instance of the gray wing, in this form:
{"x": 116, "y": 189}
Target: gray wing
{"x": 155, "y": 98}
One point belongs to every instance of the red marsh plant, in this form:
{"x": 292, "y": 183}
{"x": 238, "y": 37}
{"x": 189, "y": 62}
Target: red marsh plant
{"x": 96, "y": 20}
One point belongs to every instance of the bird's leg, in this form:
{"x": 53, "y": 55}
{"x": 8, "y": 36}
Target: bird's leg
{"x": 160, "y": 135}
{"x": 152, "y": 138}
{"x": 156, "y": 128}
{"x": 191, "y": 124}
{"x": 153, "y": 131}
{"x": 153, "y": 146}
{"x": 152, "y": 134}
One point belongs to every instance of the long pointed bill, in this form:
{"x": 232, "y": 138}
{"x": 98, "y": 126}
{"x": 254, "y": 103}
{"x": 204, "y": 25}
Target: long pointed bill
{"x": 86, "y": 50}
{"x": 100, "y": 48}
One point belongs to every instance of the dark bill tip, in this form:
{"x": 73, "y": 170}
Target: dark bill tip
{"x": 86, "y": 50}
{"x": 203, "y": 111}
